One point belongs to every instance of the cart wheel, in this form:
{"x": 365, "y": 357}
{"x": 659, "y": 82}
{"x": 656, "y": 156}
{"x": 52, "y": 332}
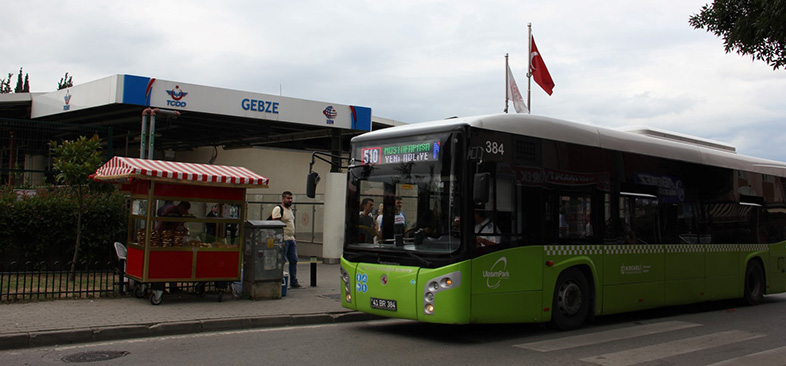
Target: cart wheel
{"x": 199, "y": 289}
{"x": 130, "y": 285}
{"x": 157, "y": 297}
{"x": 140, "y": 290}
{"x": 220, "y": 295}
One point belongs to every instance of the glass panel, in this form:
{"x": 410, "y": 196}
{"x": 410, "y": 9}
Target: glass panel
{"x": 574, "y": 216}
{"x": 401, "y": 197}
{"x": 189, "y": 224}
{"x": 221, "y": 225}
{"x": 640, "y": 220}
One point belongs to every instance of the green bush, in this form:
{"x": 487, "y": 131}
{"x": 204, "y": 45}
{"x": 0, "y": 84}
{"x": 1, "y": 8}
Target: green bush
{"x": 42, "y": 227}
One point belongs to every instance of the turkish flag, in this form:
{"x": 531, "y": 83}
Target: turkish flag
{"x": 539, "y": 71}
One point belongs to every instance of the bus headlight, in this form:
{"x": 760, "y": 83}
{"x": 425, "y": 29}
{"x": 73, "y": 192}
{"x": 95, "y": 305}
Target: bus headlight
{"x": 436, "y": 285}
{"x": 345, "y": 279}
{"x": 429, "y": 297}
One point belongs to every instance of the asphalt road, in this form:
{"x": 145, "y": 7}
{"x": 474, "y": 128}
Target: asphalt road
{"x": 715, "y": 334}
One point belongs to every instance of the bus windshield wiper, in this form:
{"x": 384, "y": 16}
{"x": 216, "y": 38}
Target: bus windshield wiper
{"x": 422, "y": 260}
{"x": 355, "y": 256}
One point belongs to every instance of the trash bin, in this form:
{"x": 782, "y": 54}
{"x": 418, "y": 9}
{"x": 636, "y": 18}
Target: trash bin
{"x": 263, "y": 259}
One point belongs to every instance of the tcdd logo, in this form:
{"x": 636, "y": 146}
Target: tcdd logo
{"x": 176, "y": 94}
{"x": 330, "y": 113}
{"x": 67, "y": 99}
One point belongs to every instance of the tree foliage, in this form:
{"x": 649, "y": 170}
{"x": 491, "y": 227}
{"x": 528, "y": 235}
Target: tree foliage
{"x": 5, "y": 84}
{"x": 23, "y": 83}
{"x": 75, "y": 161}
{"x": 65, "y": 82}
{"x": 22, "y": 87}
{"x": 749, "y": 27}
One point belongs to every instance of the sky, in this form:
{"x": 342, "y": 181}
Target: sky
{"x": 615, "y": 63}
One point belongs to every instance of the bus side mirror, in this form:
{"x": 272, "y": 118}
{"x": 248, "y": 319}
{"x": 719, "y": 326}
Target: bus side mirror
{"x": 480, "y": 188}
{"x": 311, "y": 184}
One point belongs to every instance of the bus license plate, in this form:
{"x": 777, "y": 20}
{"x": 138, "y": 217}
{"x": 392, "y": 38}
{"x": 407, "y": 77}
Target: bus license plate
{"x": 383, "y": 304}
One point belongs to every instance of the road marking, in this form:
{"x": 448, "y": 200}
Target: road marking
{"x": 773, "y": 357}
{"x": 605, "y": 336}
{"x": 670, "y": 349}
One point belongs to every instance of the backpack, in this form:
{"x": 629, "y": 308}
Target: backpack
{"x": 270, "y": 217}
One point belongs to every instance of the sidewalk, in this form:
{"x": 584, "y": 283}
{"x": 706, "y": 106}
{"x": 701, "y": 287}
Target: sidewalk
{"x": 61, "y": 322}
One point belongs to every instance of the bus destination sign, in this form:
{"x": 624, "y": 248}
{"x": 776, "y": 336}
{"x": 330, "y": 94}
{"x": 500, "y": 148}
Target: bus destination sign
{"x": 400, "y": 153}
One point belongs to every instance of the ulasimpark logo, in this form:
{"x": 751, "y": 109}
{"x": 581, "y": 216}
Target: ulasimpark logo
{"x": 498, "y": 272}
{"x": 331, "y": 114}
{"x": 176, "y": 94}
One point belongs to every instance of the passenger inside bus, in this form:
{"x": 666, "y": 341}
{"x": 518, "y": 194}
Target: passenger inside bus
{"x": 398, "y": 219}
{"x": 486, "y": 232}
{"x": 428, "y": 222}
{"x": 366, "y": 230}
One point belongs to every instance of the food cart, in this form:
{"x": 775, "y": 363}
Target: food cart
{"x": 167, "y": 244}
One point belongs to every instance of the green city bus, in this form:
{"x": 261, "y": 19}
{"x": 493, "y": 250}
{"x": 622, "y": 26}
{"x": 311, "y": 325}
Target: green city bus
{"x": 520, "y": 218}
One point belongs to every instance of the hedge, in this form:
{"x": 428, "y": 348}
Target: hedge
{"x": 42, "y": 227}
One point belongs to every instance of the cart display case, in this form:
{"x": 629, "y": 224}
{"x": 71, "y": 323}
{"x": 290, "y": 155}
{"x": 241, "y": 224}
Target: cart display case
{"x": 185, "y": 222}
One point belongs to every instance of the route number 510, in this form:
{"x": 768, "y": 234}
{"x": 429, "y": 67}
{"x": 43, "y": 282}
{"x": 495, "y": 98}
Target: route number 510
{"x": 370, "y": 155}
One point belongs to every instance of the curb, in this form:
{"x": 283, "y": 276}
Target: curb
{"x": 105, "y": 333}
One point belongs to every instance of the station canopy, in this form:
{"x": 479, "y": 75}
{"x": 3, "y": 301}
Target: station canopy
{"x": 122, "y": 170}
{"x": 208, "y": 116}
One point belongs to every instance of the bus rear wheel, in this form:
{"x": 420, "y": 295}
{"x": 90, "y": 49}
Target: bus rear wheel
{"x": 754, "y": 283}
{"x": 571, "y": 304}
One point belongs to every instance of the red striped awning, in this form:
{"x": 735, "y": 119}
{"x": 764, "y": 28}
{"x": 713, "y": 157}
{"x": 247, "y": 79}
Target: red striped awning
{"x": 123, "y": 169}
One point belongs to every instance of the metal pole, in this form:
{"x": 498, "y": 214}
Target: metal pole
{"x": 110, "y": 149}
{"x": 11, "y": 159}
{"x": 151, "y": 140}
{"x": 507, "y": 83}
{"x": 314, "y": 225}
{"x": 529, "y": 68}
{"x": 143, "y": 134}
{"x": 153, "y": 113}
{"x": 313, "y": 271}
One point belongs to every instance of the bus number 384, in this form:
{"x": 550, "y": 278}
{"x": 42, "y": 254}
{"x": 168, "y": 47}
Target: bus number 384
{"x": 493, "y": 147}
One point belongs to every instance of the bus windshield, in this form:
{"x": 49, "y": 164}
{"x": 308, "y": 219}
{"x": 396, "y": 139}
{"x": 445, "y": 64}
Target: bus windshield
{"x": 402, "y": 198}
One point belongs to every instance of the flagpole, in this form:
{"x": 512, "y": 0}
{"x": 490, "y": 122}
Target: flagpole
{"x": 506, "y": 83}
{"x": 529, "y": 68}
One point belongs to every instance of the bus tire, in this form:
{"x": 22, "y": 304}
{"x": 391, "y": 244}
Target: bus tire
{"x": 754, "y": 283}
{"x": 571, "y": 304}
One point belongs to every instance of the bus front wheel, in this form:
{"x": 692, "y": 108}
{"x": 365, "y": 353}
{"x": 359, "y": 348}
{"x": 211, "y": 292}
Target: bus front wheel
{"x": 754, "y": 283}
{"x": 571, "y": 304}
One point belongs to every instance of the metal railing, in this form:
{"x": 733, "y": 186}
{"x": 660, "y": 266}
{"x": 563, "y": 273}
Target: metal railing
{"x": 308, "y": 214}
{"x": 51, "y": 281}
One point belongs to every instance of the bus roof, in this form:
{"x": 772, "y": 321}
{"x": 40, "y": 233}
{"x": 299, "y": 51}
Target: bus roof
{"x": 583, "y": 134}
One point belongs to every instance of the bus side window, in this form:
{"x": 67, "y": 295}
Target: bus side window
{"x": 640, "y": 218}
{"x": 575, "y": 216}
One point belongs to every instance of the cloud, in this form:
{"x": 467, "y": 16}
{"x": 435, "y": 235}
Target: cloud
{"x": 614, "y": 63}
